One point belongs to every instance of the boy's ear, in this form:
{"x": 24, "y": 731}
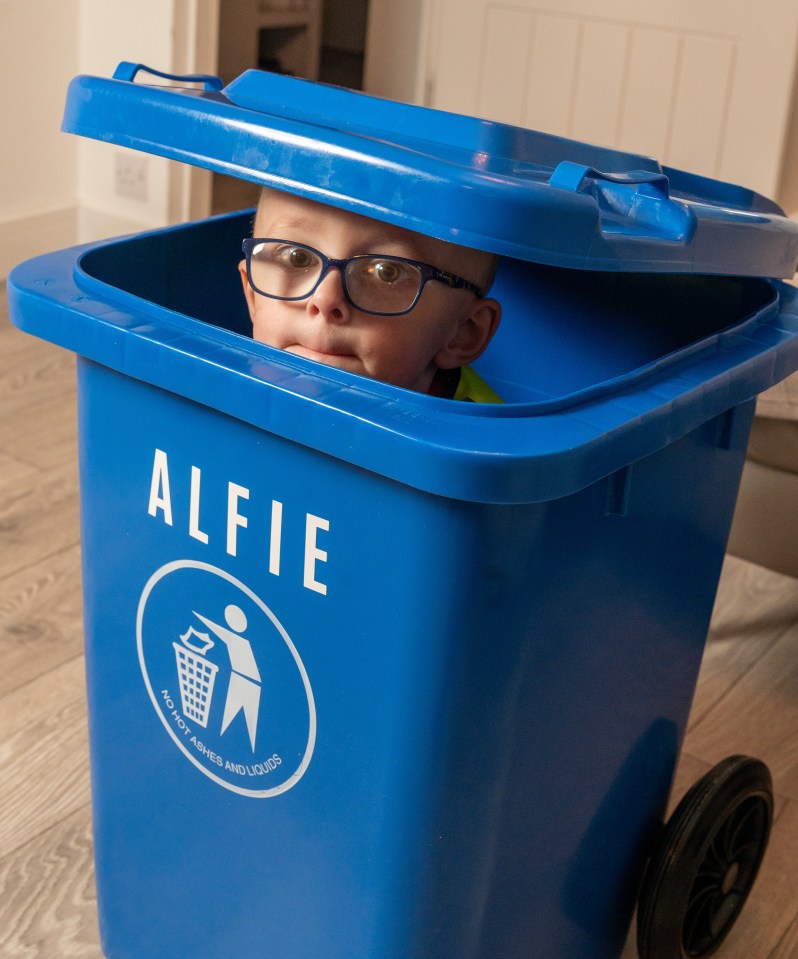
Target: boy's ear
{"x": 249, "y": 293}
{"x": 473, "y": 335}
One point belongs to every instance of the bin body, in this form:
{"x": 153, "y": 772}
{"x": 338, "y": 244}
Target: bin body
{"x": 375, "y": 675}
{"x": 410, "y": 700}
{"x": 499, "y": 691}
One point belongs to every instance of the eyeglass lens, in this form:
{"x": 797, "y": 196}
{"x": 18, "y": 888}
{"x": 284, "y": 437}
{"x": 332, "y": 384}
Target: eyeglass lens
{"x": 375, "y": 283}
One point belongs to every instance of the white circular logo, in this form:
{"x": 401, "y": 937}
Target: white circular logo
{"x": 225, "y": 679}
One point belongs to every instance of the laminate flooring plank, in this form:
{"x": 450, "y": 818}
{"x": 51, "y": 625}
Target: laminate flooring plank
{"x": 38, "y": 517}
{"x": 41, "y": 624}
{"x": 12, "y": 340}
{"x": 788, "y": 947}
{"x": 37, "y": 388}
{"x": 754, "y": 607}
{"x": 45, "y": 435}
{"x": 36, "y": 368}
{"x": 759, "y": 716}
{"x": 751, "y": 601}
{"x": 48, "y": 907}
{"x": 44, "y": 753}
{"x": 12, "y": 469}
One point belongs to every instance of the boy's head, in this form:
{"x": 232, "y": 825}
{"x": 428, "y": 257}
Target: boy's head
{"x": 449, "y": 326}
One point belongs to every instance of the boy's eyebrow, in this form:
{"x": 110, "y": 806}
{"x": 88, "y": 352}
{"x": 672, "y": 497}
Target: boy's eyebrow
{"x": 283, "y": 227}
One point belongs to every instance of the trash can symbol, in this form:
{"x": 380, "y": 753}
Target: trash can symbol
{"x": 196, "y": 675}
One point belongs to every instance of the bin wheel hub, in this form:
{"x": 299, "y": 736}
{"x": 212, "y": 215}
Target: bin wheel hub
{"x": 730, "y": 878}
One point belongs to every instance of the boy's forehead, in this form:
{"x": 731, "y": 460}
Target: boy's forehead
{"x": 278, "y": 209}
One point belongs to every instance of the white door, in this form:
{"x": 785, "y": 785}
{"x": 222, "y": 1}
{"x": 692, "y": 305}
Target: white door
{"x": 704, "y": 85}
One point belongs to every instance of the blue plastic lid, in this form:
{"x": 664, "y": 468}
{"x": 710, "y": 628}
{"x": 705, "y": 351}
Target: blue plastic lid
{"x": 488, "y": 185}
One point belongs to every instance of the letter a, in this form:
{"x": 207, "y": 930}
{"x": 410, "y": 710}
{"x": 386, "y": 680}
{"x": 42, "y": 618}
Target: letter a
{"x": 160, "y": 498}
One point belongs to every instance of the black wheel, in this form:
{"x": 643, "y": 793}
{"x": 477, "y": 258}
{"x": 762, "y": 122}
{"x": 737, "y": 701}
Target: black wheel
{"x": 700, "y": 876}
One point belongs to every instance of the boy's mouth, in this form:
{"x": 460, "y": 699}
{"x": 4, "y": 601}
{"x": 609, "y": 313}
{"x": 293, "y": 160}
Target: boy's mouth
{"x": 323, "y": 353}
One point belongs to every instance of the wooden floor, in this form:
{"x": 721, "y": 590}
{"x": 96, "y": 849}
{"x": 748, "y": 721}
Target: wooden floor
{"x": 747, "y": 698}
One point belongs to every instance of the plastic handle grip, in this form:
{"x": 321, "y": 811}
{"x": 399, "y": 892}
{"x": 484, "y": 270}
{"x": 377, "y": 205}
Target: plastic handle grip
{"x": 573, "y": 176}
{"x": 128, "y": 71}
{"x": 633, "y": 204}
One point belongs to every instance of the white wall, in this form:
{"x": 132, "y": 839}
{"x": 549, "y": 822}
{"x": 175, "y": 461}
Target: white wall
{"x": 112, "y": 31}
{"x": 56, "y": 189}
{"x": 173, "y": 36}
{"x": 404, "y": 62}
{"x": 38, "y": 163}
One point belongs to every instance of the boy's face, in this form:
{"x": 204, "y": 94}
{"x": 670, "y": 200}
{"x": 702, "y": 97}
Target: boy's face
{"x": 447, "y": 328}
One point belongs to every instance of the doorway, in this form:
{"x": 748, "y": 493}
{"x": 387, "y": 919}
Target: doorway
{"x": 321, "y": 40}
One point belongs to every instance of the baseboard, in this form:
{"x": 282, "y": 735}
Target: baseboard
{"x": 95, "y": 224}
{"x": 29, "y": 236}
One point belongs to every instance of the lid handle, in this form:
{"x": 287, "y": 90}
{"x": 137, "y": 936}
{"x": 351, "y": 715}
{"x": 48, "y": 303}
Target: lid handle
{"x": 127, "y": 71}
{"x": 637, "y": 203}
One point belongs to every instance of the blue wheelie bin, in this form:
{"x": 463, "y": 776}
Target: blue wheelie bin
{"x": 378, "y": 675}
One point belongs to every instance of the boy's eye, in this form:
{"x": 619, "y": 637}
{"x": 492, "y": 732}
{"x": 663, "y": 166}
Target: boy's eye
{"x": 295, "y": 257}
{"x": 388, "y": 271}
{"x": 299, "y": 257}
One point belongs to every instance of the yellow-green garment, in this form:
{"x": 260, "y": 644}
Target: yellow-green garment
{"x": 474, "y": 389}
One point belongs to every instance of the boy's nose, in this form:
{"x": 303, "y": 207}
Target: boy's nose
{"x": 328, "y": 299}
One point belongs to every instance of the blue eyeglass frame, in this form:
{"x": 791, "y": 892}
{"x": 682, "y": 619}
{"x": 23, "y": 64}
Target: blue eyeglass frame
{"x": 327, "y": 263}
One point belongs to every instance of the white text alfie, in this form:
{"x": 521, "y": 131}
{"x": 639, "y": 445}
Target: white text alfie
{"x": 160, "y": 503}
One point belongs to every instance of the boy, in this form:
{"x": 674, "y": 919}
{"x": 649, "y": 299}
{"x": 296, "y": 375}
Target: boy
{"x": 380, "y": 300}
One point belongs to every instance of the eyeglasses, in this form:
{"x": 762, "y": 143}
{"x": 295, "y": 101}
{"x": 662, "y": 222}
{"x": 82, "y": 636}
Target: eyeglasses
{"x": 382, "y": 285}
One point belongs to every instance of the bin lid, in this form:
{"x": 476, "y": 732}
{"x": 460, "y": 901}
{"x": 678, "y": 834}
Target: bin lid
{"x": 493, "y": 186}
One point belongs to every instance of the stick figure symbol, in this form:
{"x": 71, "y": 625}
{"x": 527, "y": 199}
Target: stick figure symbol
{"x": 243, "y": 691}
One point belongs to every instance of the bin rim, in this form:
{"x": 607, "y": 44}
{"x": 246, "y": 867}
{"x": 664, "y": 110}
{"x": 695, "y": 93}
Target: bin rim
{"x": 478, "y": 183}
{"x": 512, "y": 453}
{"x": 91, "y": 284}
